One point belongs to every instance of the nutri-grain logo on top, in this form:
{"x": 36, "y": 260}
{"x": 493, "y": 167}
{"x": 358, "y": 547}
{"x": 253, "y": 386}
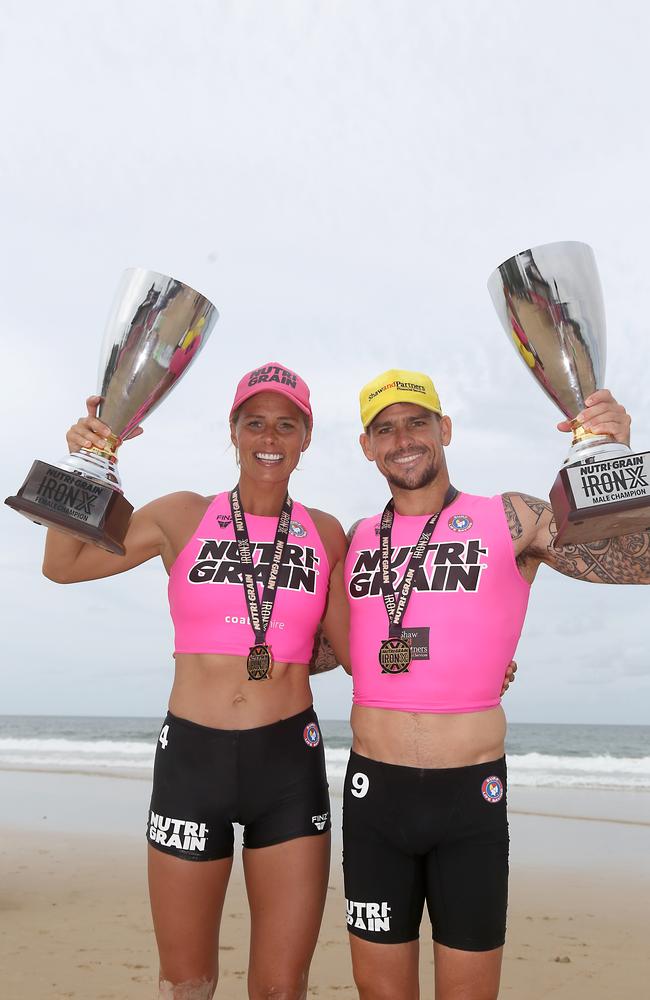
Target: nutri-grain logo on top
{"x": 448, "y": 566}
{"x": 218, "y": 561}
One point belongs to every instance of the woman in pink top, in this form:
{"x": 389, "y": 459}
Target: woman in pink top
{"x": 249, "y": 587}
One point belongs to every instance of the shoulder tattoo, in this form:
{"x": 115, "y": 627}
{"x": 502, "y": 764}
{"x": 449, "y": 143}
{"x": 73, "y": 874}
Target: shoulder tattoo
{"x": 514, "y": 524}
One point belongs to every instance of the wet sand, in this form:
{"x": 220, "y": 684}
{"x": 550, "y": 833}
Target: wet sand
{"x": 74, "y": 914}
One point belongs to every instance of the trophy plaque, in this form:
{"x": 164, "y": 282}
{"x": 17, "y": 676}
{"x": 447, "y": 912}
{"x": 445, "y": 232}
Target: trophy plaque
{"x": 156, "y": 327}
{"x": 550, "y": 304}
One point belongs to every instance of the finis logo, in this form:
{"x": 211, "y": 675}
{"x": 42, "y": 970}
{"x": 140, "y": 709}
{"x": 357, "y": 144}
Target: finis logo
{"x": 368, "y": 916}
{"x": 179, "y": 833}
{"x": 320, "y": 821}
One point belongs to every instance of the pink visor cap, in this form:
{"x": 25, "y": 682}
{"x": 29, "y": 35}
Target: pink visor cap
{"x": 273, "y": 377}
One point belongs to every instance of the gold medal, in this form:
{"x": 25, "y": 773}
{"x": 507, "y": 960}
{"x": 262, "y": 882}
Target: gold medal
{"x": 394, "y": 656}
{"x": 259, "y": 662}
{"x": 395, "y": 653}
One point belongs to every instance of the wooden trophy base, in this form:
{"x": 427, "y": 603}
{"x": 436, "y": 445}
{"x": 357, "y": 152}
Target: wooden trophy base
{"x": 593, "y": 501}
{"x": 75, "y": 504}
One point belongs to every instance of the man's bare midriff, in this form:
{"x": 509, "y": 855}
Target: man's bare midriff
{"x": 215, "y": 691}
{"x": 424, "y": 739}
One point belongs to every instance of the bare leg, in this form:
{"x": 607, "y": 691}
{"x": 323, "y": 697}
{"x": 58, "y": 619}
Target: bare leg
{"x": 186, "y": 904}
{"x": 385, "y": 971}
{"x": 467, "y": 975}
{"x": 287, "y": 885}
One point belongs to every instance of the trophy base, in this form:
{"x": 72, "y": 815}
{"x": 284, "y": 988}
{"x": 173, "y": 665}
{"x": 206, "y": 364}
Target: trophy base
{"x": 596, "y": 500}
{"x": 74, "y": 504}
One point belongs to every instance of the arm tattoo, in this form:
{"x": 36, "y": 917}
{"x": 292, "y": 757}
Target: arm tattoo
{"x": 514, "y": 524}
{"x": 350, "y": 533}
{"x": 625, "y": 559}
{"x": 538, "y": 507}
{"x": 323, "y": 657}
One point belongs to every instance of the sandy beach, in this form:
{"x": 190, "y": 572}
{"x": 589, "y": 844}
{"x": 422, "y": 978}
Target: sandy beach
{"x": 74, "y": 916}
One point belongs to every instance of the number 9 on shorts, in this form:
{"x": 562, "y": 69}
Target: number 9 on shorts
{"x": 360, "y": 784}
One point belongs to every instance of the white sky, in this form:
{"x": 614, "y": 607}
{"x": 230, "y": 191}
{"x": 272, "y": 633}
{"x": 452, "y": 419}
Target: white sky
{"x": 340, "y": 178}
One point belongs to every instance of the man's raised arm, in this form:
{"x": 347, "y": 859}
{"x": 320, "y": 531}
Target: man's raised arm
{"x": 625, "y": 559}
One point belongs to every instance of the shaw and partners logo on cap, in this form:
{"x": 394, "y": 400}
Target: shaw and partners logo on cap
{"x": 403, "y": 386}
{"x": 492, "y": 789}
{"x": 273, "y": 373}
{"x": 397, "y": 386}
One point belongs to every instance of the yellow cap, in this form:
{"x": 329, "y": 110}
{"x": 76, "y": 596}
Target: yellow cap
{"x": 397, "y": 386}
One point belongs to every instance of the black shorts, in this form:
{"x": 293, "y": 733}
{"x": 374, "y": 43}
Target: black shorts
{"x": 270, "y": 779}
{"x": 411, "y": 835}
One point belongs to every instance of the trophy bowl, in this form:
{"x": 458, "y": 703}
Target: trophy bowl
{"x": 550, "y": 304}
{"x": 156, "y": 328}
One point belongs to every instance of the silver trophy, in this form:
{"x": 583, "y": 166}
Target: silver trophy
{"x": 550, "y": 303}
{"x": 156, "y": 328}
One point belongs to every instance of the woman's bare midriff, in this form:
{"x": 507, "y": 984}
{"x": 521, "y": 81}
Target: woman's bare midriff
{"x": 423, "y": 739}
{"x": 215, "y": 691}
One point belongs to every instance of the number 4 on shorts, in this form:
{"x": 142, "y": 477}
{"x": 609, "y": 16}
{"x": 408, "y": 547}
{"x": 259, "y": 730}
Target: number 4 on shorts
{"x": 162, "y": 739}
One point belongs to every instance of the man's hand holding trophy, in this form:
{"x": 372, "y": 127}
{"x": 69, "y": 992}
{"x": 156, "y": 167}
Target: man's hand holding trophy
{"x": 550, "y": 303}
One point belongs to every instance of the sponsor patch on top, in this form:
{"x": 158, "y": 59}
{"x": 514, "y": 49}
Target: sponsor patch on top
{"x": 311, "y": 734}
{"x": 492, "y": 789}
{"x": 297, "y": 529}
{"x": 460, "y": 522}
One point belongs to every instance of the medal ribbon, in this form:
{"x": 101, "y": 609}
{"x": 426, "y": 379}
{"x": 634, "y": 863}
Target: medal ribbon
{"x": 396, "y": 607}
{"x": 260, "y": 615}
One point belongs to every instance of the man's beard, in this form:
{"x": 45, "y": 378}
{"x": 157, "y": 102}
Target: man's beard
{"x": 416, "y": 480}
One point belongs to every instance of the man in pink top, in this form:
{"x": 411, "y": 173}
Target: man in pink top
{"x": 437, "y": 587}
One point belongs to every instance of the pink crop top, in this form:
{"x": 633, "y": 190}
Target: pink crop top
{"x": 464, "y": 618}
{"x": 206, "y": 596}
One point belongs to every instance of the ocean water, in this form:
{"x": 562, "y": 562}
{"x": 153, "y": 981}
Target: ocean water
{"x": 552, "y": 756}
